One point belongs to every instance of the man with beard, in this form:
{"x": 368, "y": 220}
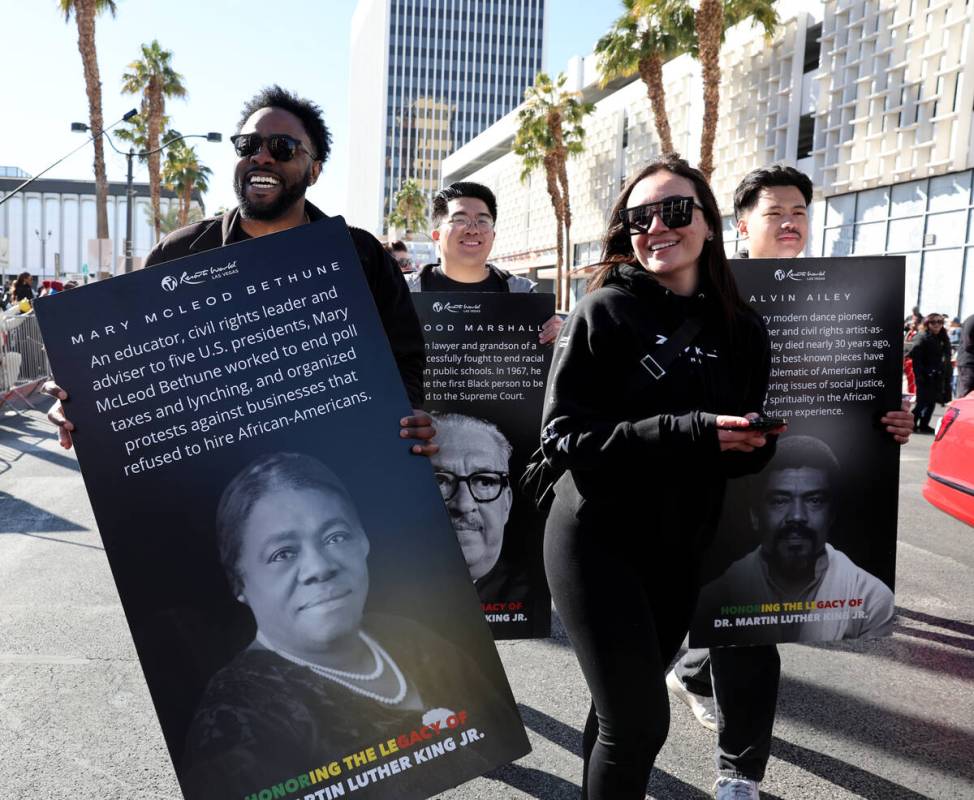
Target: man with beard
{"x": 282, "y": 143}
{"x": 793, "y": 510}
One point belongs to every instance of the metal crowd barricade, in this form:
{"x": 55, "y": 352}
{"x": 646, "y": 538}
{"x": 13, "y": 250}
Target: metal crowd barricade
{"x": 23, "y": 359}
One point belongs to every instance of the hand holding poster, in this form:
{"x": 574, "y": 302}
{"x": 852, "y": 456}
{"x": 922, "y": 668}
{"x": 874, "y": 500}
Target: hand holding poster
{"x": 300, "y": 608}
{"x": 806, "y": 549}
{"x": 486, "y": 378}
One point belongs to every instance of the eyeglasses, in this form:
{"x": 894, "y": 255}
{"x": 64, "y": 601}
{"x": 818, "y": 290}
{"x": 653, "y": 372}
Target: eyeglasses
{"x": 281, "y": 146}
{"x": 935, "y": 322}
{"x": 674, "y": 212}
{"x": 481, "y": 224}
{"x": 485, "y": 487}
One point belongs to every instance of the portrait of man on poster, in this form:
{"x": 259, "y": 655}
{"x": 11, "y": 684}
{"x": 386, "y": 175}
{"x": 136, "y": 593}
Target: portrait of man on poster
{"x": 472, "y": 472}
{"x": 793, "y": 509}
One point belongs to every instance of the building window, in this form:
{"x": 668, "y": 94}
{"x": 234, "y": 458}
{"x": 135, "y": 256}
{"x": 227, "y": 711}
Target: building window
{"x": 806, "y": 135}
{"x": 813, "y": 47}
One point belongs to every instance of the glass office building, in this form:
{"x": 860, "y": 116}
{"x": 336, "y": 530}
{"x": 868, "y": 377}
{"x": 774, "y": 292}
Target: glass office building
{"x": 426, "y": 77}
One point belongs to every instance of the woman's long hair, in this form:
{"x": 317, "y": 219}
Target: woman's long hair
{"x": 714, "y": 269}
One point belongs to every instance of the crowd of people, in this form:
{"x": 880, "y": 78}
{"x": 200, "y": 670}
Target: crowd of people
{"x": 627, "y": 531}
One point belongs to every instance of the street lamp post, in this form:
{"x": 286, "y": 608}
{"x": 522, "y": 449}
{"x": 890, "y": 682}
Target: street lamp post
{"x": 129, "y": 203}
{"x": 212, "y": 136}
{"x": 75, "y": 126}
{"x": 43, "y": 240}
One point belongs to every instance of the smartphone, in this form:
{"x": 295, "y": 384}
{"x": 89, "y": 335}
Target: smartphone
{"x": 767, "y": 423}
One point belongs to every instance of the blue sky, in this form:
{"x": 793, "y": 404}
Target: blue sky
{"x": 225, "y": 50}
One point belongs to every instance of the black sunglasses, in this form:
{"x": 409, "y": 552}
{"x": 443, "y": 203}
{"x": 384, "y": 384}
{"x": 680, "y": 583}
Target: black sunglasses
{"x": 281, "y": 146}
{"x": 674, "y": 212}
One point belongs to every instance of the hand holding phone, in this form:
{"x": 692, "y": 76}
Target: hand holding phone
{"x": 766, "y": 423}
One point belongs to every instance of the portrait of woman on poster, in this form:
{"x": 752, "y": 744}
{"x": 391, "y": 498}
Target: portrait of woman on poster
{"x": 321, "y": 679}
{"x": 647, "y": 451}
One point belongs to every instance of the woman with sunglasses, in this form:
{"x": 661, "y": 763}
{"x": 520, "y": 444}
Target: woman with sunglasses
{"x": 648, "y": 436}
{"x": 932, "y": 371}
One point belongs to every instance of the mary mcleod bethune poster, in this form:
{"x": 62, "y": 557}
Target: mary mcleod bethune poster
{"x": 486, "y": 376}
{"x": 301, "y": 610}
{"x": 806, "y": 549}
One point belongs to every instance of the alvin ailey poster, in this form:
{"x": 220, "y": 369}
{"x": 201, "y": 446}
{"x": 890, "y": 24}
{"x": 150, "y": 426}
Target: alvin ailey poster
{"x": 486, "y": 374}
{"x": 301, "y": 610}
{"x": 806, "y": 549}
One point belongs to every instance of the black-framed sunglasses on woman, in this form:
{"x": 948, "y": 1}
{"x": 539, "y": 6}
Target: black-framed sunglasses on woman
{"x": 280, "y": 146}
{"x": 674, "y": 212}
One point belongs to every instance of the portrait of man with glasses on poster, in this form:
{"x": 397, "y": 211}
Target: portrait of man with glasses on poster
{"x": 472, "y": 471}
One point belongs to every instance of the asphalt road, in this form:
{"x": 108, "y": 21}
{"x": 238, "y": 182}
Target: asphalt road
{"x": 885, "y": 720}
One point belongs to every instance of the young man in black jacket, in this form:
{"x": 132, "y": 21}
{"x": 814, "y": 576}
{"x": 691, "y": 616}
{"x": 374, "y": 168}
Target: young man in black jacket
{"x": 282, "y": 143}
{"x": 735, "y": 689}
{"x": 464, "y": 216}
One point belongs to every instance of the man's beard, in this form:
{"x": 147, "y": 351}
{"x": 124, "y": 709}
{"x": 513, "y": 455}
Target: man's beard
{"x": 289, "y": 195}
{"x": 795, "y": 549}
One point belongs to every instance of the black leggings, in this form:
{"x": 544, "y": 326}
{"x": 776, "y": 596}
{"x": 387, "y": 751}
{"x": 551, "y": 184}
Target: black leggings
{"x": 626, "y": 606}
{"x": 928, "y": 393}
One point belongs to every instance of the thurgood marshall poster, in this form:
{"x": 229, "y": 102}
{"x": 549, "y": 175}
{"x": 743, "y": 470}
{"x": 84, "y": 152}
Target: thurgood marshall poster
{"x": 303, "y": 615}
{"x": 806, "y": 549}
{"x": 486, "y": 374}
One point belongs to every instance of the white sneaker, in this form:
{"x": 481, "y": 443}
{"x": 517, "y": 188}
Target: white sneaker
{"x": 701, "y": 706}
{"x": 736, "y": 789}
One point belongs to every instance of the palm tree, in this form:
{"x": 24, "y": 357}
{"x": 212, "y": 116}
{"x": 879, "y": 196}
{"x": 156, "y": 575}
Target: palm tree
{"x": 711, "y": 21}
{"x": 409, "y": 208}
{"x": 135, "y": 131}
{"x": 549, "y": 132}
{"x": 184, "y": 174}
{"x": 169, "y": 220}
{"x": 643, "y": 42}
{"x": 85, "y": 12}
{"x": 154, "y": 78}
{"x": 710, "y": 32}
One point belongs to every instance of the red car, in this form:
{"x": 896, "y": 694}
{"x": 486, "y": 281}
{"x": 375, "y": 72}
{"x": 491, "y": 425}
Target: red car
{"x": 950, "y": 473}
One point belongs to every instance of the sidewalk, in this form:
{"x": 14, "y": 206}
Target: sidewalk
{"x": 886, "y": 720}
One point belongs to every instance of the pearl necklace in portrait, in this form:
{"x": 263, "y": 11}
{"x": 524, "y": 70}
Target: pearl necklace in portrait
{"x": 341, "y": 677}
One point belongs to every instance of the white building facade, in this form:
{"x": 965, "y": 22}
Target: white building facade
{"x": 426, "y": 77}
{"x": 48, "y": 227}
{"x": 872, "y": 99}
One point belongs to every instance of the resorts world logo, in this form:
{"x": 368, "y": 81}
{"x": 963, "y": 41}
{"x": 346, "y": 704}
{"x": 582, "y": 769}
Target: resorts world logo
{"x": 798, "y": 275}
{"x": 456, "y": 308}
{"x": 170, "y": 283}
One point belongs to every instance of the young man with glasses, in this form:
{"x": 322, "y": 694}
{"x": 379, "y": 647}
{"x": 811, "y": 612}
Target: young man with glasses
{"x": 464, "y": 215}
{"x": 282, "y": 143}
{"x": 734, "y": 690}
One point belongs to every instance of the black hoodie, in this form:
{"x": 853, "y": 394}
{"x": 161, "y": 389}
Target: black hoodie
{"x": 639, "y": 444}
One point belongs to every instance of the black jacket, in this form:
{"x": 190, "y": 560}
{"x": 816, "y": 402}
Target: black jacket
{"x": 965, "y": 350}
{"x": 931, "y": 356}
{"x": 646, "y": 445}
{"x": 381, "y": 271}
